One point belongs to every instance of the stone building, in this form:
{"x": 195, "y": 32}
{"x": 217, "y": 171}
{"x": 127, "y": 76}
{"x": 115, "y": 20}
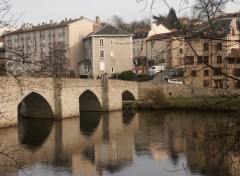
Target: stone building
{"x": 208, "y": 53}
{"x": 30, "y": 44}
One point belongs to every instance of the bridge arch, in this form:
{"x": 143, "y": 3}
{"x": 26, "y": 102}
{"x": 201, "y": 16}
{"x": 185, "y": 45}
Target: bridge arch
{"x": 88, "y": 101}
{"x": 36, "y": 106}
{"x": 128, "y": 96}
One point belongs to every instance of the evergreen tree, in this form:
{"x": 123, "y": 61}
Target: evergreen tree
{"x": 172, "y": 21}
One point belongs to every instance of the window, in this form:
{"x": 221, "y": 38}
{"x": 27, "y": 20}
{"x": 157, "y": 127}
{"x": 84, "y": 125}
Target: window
{"x": 231, "y": 61}
{"x": 236, "y": 72}
{"x": 181, "y": 50}
{"x": 193, "y": 73}
{"x": 189, "y": 60}
{"x": 219, "y": 31}
{"x": 206, "y": 60}
{"x": 205, "y": 47}
{"x": 112, "y": 69}
{"x": 206, "y": 83}
{"x": 200, "y": 59}
{"x": 112, "y": 53}
{"x": 237, "y": 84}
{"x": 219, "y": 59}
{"x": 206, "y": 73}
{"x": 101, "y": 42}
{"x": 111, "y": 42}
{"x": 217, "y": 72}
{"x": 101, "y": 53}
{"x": 219, "y": 46}
{"x": 102, "y": 66}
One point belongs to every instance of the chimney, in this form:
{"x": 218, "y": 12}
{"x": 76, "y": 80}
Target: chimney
{"x": 97, "y": 24}
{"x": 97, "y": 19}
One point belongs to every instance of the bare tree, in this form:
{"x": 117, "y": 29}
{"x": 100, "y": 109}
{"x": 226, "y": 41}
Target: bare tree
{"x": 56, "y": 64}
{"x": 201, "y": 47}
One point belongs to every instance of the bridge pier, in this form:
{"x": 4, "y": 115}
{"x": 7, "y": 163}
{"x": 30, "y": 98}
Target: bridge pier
{"x": 58, "y": 98}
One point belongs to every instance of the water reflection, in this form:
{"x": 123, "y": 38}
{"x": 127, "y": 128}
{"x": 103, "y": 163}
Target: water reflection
{"x": 34, "y": 132}
{"x": 89, "y": 121}
{"x": 129, "y": 143}
{"x": 128, "y": 115}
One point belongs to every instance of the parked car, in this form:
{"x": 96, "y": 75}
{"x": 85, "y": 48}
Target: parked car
{"x": 156, "y": 69}
{"x": 175, "y": 81}
{"x": 177, "y": 72}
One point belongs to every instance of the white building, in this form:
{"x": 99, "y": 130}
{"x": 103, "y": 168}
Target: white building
{"x": 30, "y": 44}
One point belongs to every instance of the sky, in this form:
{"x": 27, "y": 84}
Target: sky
{"x": 38, "y": 11}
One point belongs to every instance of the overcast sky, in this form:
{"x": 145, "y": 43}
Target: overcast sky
{"x": 38, "y": 11}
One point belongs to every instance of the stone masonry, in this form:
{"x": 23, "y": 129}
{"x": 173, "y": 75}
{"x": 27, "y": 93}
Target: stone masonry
{"x": 61, "y": 98}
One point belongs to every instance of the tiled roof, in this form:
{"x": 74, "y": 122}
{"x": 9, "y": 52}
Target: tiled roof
{"x": 110, "y": 30}
{"x": 141, "y": 35}
{"x": 44, "y": 26}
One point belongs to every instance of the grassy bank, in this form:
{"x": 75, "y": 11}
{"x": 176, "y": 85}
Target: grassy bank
{"x": 229, "y": 104}
{"x": 211, "y": 104}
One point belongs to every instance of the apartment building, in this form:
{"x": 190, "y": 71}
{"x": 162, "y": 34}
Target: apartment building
{"x": 108, "y": 50}
{"x": 30, "y": 44}
{"x": 209, "y": 55}
{"x": 140, "y": 47}
{"x": 166, "y": 49}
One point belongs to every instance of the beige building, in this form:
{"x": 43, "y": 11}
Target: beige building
{"x": 208, "y": 54}
{"x": 30, "y": 44}
{"x": 139, "y": 45}
{"x": 166, "y": 49}
{"x": 108, "y": 50}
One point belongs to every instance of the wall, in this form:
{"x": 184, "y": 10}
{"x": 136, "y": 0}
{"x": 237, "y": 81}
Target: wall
{"x": 186, "y": 91}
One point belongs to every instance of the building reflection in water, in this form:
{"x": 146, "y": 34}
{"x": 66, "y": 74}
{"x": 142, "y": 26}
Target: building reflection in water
{"x": 108, "y": 143}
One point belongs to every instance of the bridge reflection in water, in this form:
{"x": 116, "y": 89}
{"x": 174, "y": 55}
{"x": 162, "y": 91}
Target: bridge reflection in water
{"x": 121, "y": 143}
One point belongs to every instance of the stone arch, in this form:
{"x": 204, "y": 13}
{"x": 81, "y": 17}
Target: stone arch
{"x": 88, "y": 101}
{"x": 128, "y": 96}
{"x": 35, "y": 105}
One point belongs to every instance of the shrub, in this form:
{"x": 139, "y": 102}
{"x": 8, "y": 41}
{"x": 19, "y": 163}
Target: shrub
{"x": 154, "y": 98}
{"x": 144, "y": 77}
{"x": 127, "y": 75}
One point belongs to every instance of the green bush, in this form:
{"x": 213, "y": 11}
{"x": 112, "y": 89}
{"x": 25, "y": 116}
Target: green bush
{"x": 144, "y": 77}
{"x": 127, "y": 75}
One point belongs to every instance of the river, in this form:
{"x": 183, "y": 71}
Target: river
{"x": 123, "y": 143}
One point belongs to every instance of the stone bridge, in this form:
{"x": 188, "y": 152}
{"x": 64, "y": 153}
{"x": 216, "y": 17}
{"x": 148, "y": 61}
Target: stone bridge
{"x": 65, "y": 97}
{"x": 60, "y": 98}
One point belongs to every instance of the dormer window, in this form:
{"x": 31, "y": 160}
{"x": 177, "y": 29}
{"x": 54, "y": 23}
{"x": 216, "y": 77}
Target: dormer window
{"x": 220, "y": 31}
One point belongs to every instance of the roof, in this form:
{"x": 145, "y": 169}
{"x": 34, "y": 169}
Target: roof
{"x": 43, "y": 26}
{"x": 109, "y": 30}
{"x": 140, "y": 35}
{"x": 220, "y": 27}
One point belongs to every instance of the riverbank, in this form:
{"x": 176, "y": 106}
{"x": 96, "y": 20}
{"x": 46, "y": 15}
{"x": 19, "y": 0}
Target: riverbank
{"x": 202, "y": 103}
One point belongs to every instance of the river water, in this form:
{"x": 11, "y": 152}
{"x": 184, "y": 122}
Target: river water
{"x": 123, "y": 144}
